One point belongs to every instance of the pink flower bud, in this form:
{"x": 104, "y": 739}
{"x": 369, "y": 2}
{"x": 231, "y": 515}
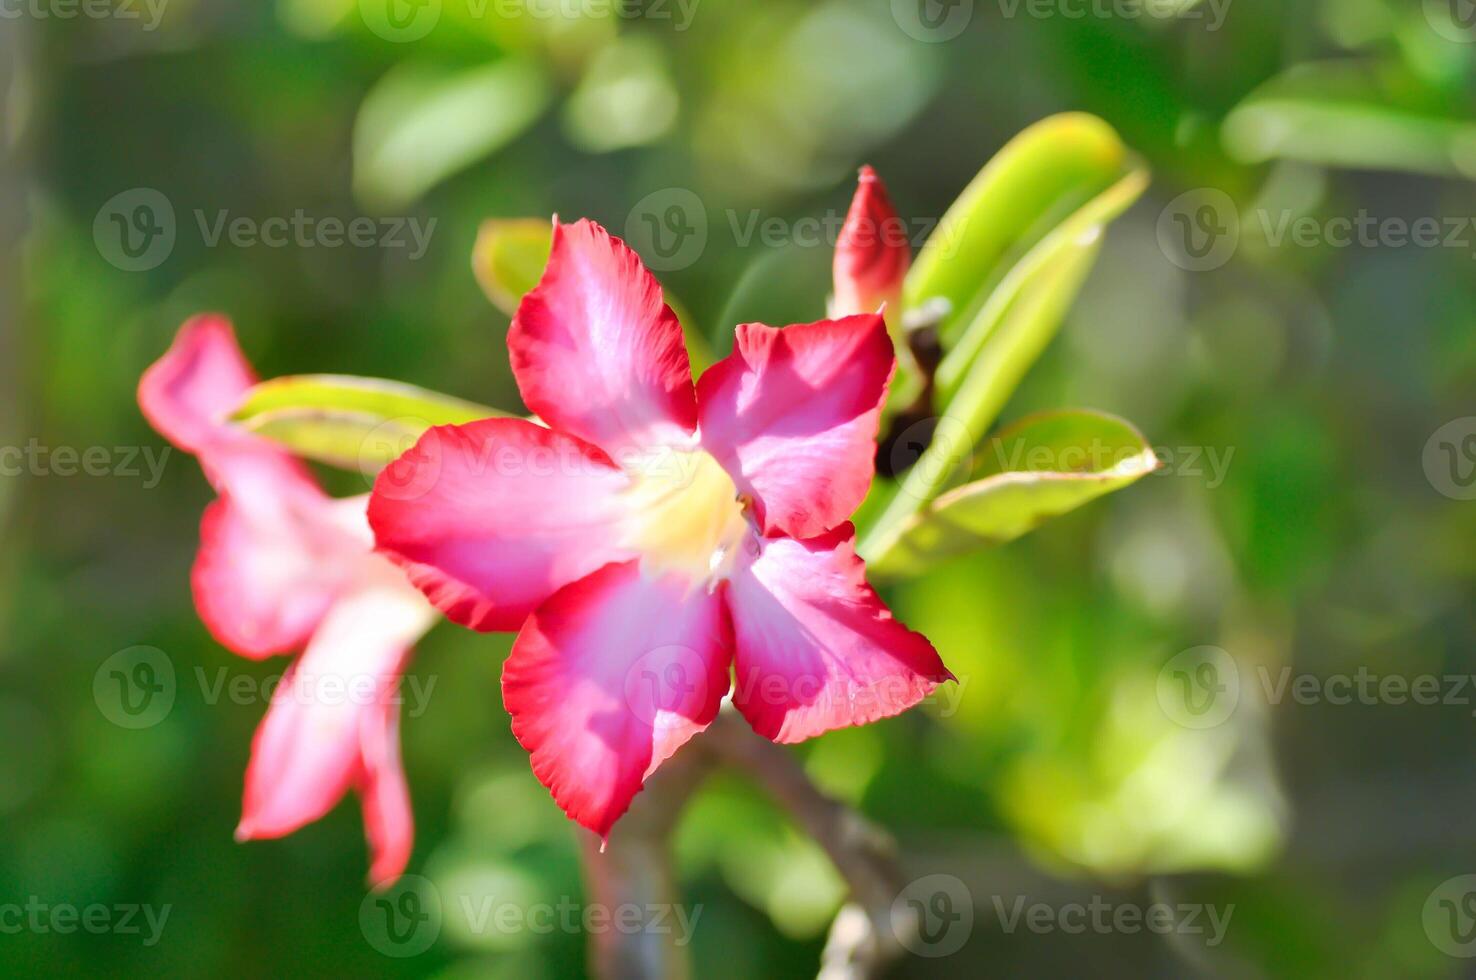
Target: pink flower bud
{"x": 872, "y": 253}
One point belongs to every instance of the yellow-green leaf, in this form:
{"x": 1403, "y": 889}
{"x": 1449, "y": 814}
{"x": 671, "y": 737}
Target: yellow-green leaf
{"x": 348, "y": 440}
{"x": 351, "y": 422}
{"x": 1056, "y": 246}
{"x": 1024, "y": 328}
{"x": 1038, "y": 180}
{"x": 1039, "y": 468}
{"x": 422, "y": 123}
{"x": 1351, "y": 114}
{"x": 509, "y": 257}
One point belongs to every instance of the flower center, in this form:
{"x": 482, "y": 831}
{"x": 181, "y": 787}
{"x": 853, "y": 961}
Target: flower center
{"x": 686, "y": 516}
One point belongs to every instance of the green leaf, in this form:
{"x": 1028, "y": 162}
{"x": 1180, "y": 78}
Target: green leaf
{"x": 1041, "y": 467}
{"x": 1024, "y": 327}
{"x": 626, "y": 98}
{"x": 1055, "y": 247}
{"x": 1043, "y": 176}
{"x": 509, "y": 257}
{"x": 1352, "y": 114}
{"x": 349, "y": 422}
{"x": 420, "y": 124}
{"x": 348, "y": 440}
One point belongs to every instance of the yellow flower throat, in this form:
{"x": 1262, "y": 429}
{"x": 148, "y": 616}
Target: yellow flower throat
{"x": 687, "y": 516}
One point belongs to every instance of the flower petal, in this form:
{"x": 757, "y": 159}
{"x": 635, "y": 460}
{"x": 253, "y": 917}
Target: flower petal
{"x": 489, "y": 519}
{"x": 815, "y": 648}
{"x": 389, "y": 824}
{"x": 262, "y": 580}
{"x": 597, "y": 353}
{"x": 609, "y": 678}
{"x": 793, "y": 413}
{"x": 333, "y": 721}
{"x": 273, "y": 549}
{"x": 187, "y": 396}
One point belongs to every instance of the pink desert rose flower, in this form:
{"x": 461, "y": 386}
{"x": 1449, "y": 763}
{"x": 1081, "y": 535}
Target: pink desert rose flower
{"x": 872, "y": 253}
{"x": 282, "y": 567}
{"x": 652, "y": 536}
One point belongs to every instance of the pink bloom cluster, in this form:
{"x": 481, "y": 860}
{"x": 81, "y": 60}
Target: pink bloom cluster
{"x": 283, "y": 567}
{"x": 650, "y": 540}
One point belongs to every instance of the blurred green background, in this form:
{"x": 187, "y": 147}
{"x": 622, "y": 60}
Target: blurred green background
{"x": 1324, "y": 541}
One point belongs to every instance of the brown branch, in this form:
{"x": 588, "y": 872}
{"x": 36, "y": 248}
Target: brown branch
{"x": 634, "y": 868}
{"x": 863, "y": 939}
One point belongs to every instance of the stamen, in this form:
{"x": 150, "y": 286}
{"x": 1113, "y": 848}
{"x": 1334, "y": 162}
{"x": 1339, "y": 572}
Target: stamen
{"x": 688, "y": 517}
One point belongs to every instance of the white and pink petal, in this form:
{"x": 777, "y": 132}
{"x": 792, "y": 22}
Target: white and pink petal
{"x": 815, "y": 648}
{"x": 491, "y": 518}
{"x": 263, "y": 579}
{"x": 597, "y": 352}
{"x": 190, "y": 392}
{"x": 609, "y": 678}
{"x": 333, "y": 722}
{"x": 792, "y": 414}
